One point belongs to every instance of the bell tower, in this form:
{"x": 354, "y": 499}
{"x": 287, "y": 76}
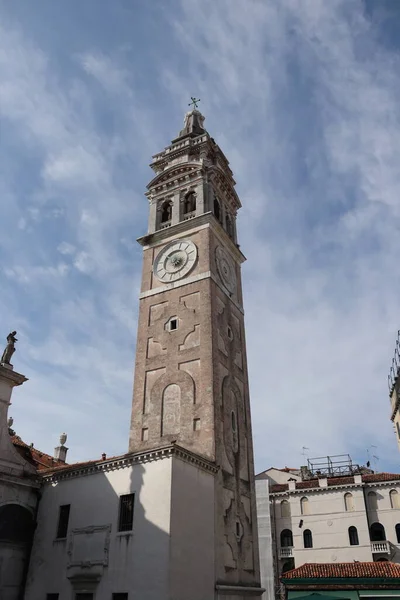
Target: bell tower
{"x": 191, "y": 384}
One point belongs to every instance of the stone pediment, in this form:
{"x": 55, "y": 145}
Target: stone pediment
{"x": 174, "y": 173}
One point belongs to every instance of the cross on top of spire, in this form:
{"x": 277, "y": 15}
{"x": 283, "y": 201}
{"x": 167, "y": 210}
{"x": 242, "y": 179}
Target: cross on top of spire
{"x": 194, "y": 102}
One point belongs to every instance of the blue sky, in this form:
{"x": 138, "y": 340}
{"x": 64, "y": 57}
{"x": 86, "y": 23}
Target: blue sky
{"x": 303, "y": 99}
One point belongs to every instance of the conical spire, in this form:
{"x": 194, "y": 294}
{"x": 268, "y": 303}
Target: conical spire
{"x": 193, "y": 124}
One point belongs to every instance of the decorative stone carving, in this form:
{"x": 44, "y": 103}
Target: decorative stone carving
{"x": 226, "y": 269}
{"x": 154, "y": 348}
{"x": 192, "y": 339}
{"x": 171, "y": 410}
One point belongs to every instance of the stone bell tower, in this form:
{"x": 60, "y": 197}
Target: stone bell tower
{"x": 191, "y": 383}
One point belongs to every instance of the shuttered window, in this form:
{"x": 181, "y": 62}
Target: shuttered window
{"x": 126, "y": 505}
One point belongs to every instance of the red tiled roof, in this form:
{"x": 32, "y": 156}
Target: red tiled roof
{"x": 345, "y": 570}
{"x": 39, "y": 459}
{"x": 332, "y": 481}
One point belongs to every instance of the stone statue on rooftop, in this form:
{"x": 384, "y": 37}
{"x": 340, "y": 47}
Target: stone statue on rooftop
{"x": 9, "y": 349}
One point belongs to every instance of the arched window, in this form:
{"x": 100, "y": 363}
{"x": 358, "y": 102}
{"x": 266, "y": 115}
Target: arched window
{"x": 372, "y": 501}
{"x": 16, "y": 524}
{"x": 286, "y": 539}
{"x": 349, "y": 502}
{"x": 285, "y": 508}
{"x": 189, "y": 203}
{"x": 353, "y": 536}
{"x": 304, "y": 506}
{"x": 398, "y": 533}
{"x": 217, "y": 210}
{"x": 307, "y": 538}
{"x": 377, "y": 532}
{"x": 394, "y": 499}
{"x": 166, "y": 211}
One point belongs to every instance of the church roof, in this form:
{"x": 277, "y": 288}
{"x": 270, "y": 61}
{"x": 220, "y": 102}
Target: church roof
{"x": 38, "y": 459}
{"x": 387, "y": 570}
{"x": 333, "y": 481}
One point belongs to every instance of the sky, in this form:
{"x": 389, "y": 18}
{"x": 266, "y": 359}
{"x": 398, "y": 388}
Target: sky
{"x": 302, "y": 97}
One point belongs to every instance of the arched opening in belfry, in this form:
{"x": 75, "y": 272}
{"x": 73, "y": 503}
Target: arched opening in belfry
{"x": 189, "y": 203}
{"x": 166, "y": 211}
{"x": 217, "y": 210}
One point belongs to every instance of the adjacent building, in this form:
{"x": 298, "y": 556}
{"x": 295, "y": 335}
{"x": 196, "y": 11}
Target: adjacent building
{"x": 330, "y": 513}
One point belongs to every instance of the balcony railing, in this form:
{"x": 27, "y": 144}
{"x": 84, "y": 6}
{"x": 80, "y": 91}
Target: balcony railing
{"x": 189, "y": 215}
{"x": 380, "y": 547}
{"x": 165, "y": 225}
{"x": 285, "y": 552}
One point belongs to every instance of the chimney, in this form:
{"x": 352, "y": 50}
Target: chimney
{"x": 103, "y": 456}
{"x": 60, "y": 453}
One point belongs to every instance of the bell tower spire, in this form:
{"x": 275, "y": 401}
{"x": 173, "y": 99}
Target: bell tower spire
{"x": 191, "y": 383}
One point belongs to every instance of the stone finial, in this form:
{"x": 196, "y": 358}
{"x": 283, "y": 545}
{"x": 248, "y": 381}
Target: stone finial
{"x": 10, "y": 422}
{"x": 60, "y": 453}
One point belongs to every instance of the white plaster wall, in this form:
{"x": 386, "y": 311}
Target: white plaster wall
{"x": 138, "y": 561}
{"x": 192, "y": 533}
{"x": 329, "y": 522}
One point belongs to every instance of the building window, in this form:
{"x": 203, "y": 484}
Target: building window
{"x": 372, "y": 501}
{"x": 286, "y": 539}
{"x": 84, "y": 596}
{"x": 233, "y": 419}
{"x": 353, "y": 536}
{"x": 145, "y": 434}
{"x": 166, "y": 211}
{"x": 377, "y": 532}
{"x": 307, "y": 538}
{"x": 120, "y": 596}
{"x": 52, "y": 596}
{"x": 196, "y": 424}
{"x": 398, "y": 429}
{"x": 126, "y": 504}
{"x": 349, "y": 502}
{"x": 285, "y": 508}
{"x": 394, "y": 499}
{"x": 304, "y": 506}
{"x": 63, "y": 519}
{"x": 172, "y": 324}
{"x": 398, "y": 533}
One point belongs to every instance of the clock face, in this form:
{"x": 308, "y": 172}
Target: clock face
{"x": 226, "y": 269}
{"x": 175, "y": 261}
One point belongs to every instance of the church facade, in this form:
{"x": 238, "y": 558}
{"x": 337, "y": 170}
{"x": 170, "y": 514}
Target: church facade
{"x": 174, "y": 517}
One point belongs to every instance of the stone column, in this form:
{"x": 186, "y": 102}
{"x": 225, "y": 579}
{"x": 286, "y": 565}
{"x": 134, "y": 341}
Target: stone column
{"x": 200, "y": 199}
{"x": 176, "y": 215}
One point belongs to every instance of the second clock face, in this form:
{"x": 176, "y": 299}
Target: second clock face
{"x": 226, "y": 269}
{"x": 175, "y": 261}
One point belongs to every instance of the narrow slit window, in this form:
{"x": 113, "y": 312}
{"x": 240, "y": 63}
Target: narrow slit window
{"x": 120, "y": 596}
{"x": 173, "y": 324}
{"x": 63, "y": 520}
{"x": 52, "y": 596}
{"x": 126, "y": 505}
{"x": 353, "y": 536}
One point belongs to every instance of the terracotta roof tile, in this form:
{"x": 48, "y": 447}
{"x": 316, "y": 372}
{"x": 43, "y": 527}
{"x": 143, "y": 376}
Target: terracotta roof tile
{"x": 39, "y": 459}
{"x": 345, "y": 570}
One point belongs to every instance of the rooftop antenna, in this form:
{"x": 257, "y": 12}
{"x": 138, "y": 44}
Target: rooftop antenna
{"x": 305, "y": 453}
{"x": 372, "y": 458}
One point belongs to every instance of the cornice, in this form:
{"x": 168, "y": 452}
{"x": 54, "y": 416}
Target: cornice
{"x": 161, "y": 236}
{"x": 343, "y": 486}
{"x": 127, "y": 460}
{"x": 8, "y": 374}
